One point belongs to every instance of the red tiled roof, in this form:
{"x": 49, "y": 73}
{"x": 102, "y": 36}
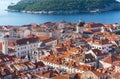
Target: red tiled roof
{"x": 39, "y": 64}
{"x": 98, "y": 74}
{"x": 110, "y": 59}
{"x": 26, "y": 40}
{"x": 93, "y": 25}
{"x": 45, "y": 39}
{"x": 98, "y": 52}
{"x": 23, "y": 41}
{"x": 98, "y": 41}
{"x": 61, "y": 77}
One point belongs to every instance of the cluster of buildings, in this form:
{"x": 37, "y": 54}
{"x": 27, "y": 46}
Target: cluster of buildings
{"x": 60, "y": 50}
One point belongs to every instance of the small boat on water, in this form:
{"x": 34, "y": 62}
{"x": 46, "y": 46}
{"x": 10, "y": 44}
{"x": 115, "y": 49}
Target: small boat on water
{"x": 95, "y": 11}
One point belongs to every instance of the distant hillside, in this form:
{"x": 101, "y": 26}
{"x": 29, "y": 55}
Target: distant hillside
{"x": 64, "y": 5}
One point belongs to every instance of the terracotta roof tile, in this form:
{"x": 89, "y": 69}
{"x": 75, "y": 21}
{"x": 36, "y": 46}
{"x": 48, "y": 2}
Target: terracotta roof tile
{"x": 98, "y": 74}
{"x": 98, "y": 52}
{"x": 61, "y": 77}
{"x": 93, "y": 25}
{"x": 110, "y": 59}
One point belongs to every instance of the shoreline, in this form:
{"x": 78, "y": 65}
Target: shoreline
{"x": 60, "y": 12}
{"x": 50, "y": 12}
{"x": 57, "y": 12}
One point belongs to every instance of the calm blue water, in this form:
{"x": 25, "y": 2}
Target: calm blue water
{"x": 16, "y": 18}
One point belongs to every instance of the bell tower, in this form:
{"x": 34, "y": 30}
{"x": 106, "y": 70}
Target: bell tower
{"x": 4, "y": 45}
{"x": 3, "y": 40}
{"x": 80, "y": 26}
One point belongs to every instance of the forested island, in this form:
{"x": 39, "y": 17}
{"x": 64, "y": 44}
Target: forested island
{"x": 64, "y": 6}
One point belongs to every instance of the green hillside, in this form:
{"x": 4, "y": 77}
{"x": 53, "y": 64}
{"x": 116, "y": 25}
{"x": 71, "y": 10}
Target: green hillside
{"x": 58, "y": 5}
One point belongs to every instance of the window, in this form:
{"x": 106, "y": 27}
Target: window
{"x": 101, "y": 78}
{"x": 18, "y": 53}
{"x": 90, "y": 78}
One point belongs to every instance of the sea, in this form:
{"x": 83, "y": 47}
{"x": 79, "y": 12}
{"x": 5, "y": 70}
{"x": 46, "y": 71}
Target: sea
{"x": 18, "y": 18}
